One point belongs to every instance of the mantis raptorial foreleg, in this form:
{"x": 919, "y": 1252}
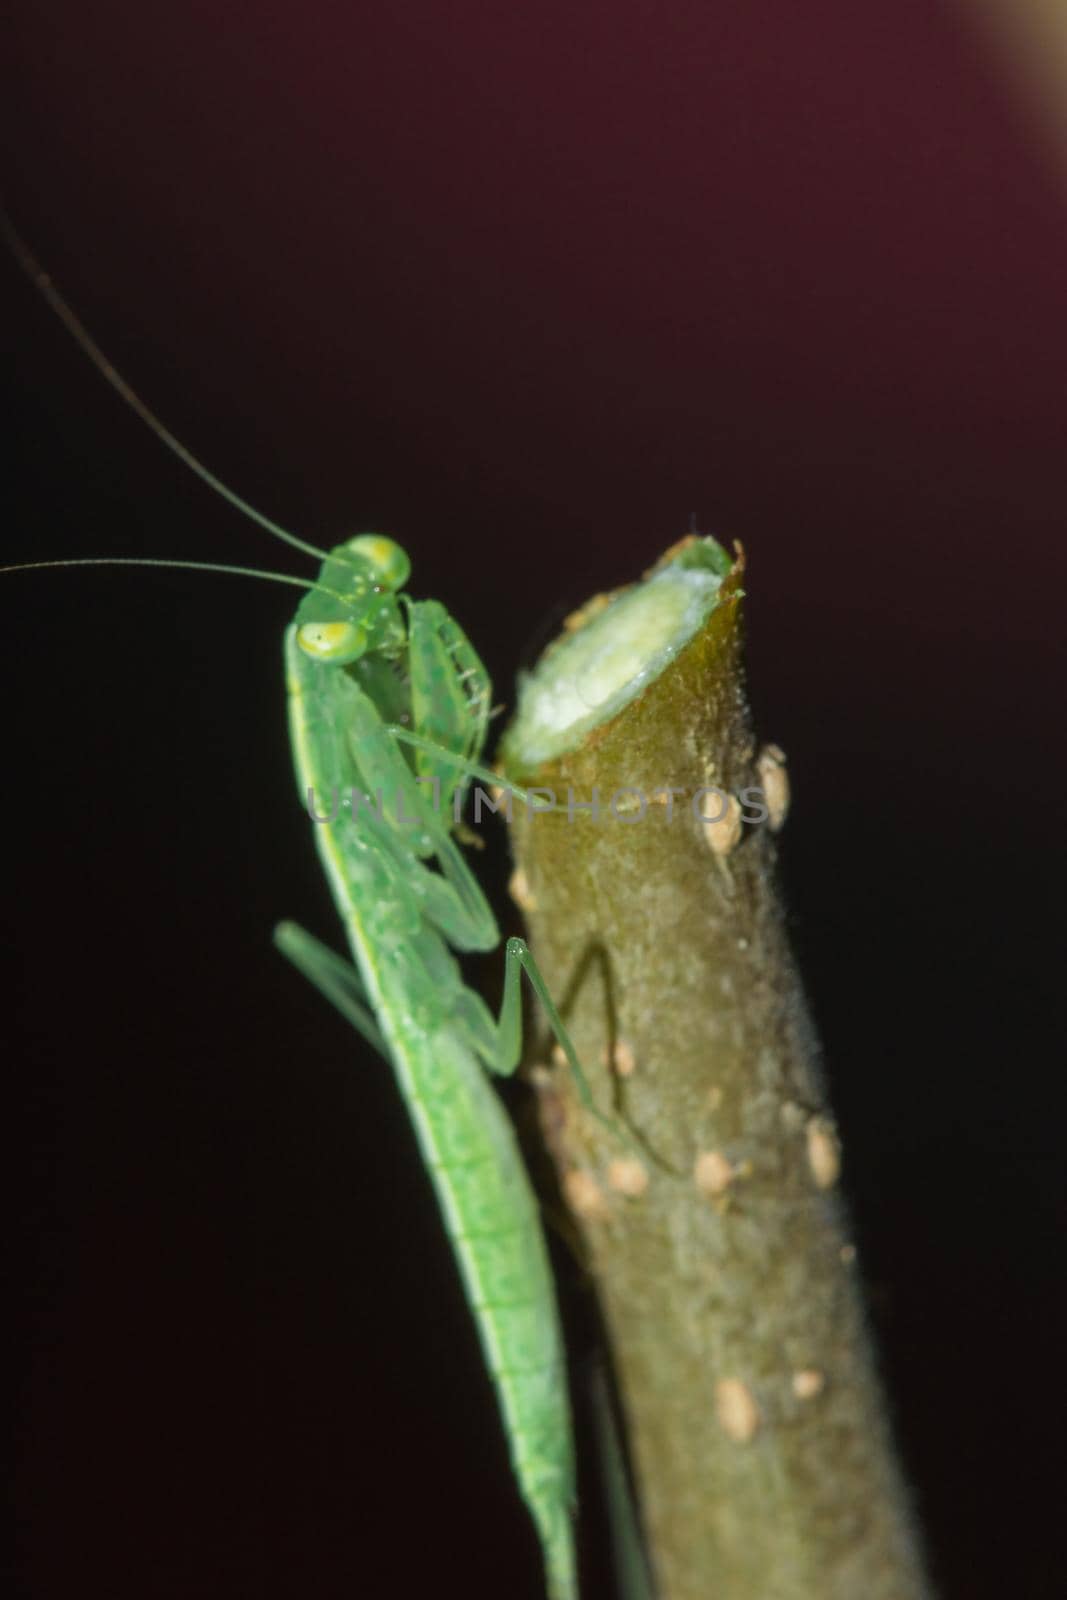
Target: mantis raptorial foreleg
{"x": 454, "y": 902}
{"x": 450, "y": 686}
{"x": 450, "y": 694}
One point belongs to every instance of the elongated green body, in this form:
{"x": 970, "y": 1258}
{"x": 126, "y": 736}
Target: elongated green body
{"x": 392, "y": 905}
{"x": 366, "y": 668}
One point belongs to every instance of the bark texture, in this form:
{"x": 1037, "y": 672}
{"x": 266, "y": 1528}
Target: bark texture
{"x": 715, "y": 1234}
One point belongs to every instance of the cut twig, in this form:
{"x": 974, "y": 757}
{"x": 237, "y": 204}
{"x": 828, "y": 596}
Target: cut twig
{"x": 712, "y": 1220}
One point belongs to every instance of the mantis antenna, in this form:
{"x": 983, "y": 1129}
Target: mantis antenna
{"x": 43, "y": 283}
{"x": 188, "y": 566}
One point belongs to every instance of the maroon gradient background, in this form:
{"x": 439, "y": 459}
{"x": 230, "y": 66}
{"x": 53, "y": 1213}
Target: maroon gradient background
{"x": 525, "y": 286}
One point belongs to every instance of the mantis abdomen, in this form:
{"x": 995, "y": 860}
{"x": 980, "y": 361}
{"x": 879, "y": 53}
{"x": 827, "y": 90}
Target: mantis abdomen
{"x": 393, "y": 905}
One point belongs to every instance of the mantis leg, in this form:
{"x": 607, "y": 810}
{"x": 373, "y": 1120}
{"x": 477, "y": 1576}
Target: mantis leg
{"x": 631, "y": 1566}
{"x": 449, "y": 702}
{"x": 499, "y": 1043}
{"x": 457, "y": 905}
{"x": 333, "y": 977}
{"x": 462, "y": 913}
{"x": 470, "y": 769}
{"x": 449, "y": 694}
{"x": 452, "y": 899}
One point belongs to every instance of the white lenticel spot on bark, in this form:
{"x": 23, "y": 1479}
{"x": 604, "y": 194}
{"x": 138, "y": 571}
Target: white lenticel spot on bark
{"x": 713, "y": 1172}
{"x": 824, "y": 1152}
{"x": 628, "y": 1176}
{"x": 808, "y": 1383}
{"x": 736, "y": 1410}
{"x": 585, "y": 1196}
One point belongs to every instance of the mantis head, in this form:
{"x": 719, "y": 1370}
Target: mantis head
{"x": 353, "y": 607}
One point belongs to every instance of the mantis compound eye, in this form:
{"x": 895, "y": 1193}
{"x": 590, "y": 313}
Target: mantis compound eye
{"x": 336, "y": 643}
{"x": 388, "y": 560}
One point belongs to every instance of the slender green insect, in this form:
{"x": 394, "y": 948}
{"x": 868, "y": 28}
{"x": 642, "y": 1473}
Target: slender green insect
{"x": 402, "y": 916}
{"x": 387, "y": 698}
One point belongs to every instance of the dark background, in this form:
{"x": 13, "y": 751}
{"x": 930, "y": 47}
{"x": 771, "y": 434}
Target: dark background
{"x": 525, "y": 287}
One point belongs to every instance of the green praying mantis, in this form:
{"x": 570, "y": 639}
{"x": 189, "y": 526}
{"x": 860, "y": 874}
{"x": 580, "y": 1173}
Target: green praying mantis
{"x": 388, "y": 712}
